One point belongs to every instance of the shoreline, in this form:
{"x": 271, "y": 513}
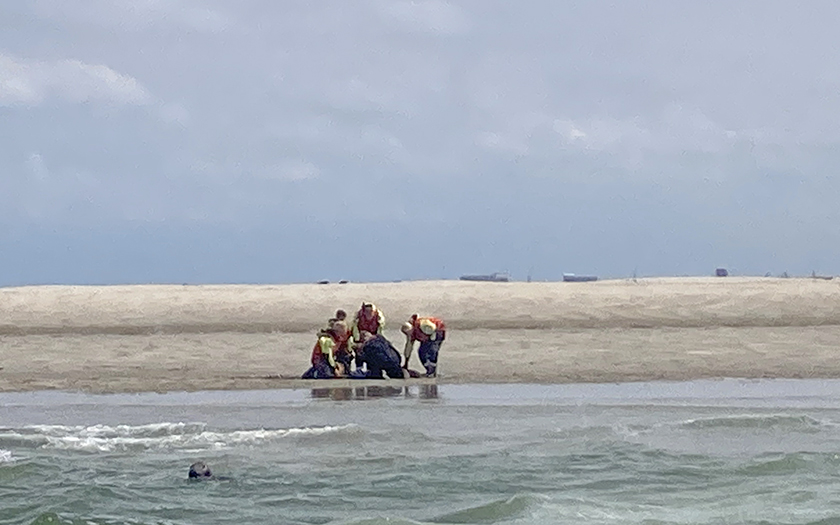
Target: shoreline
{"x": 734, "y": 391}
{"x": 162, "y": 338}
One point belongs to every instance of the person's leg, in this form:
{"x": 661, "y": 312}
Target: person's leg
{"x": 393, "y": 367}
{"x": 428, "y": 353}
{"x": 374, "y": 371}
{"x": 375, "y": 361}
{"x": 423, "y": 354}
{"x": 324, "y": 370}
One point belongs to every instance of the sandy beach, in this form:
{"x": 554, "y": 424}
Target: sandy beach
{"x": 172, "y": 337}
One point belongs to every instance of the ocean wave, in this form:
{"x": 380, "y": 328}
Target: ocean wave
{"x": 493, "y": 512}
{"x": 119, "y": 438}
{"x": 150, "y": 430}
{"x": 787, "y": 464}
{"x": 587, "y": 433}
{"x": 833, "y": 520}
{"x": 51, "y": 518}
{"x": 499, "y": 510}
{"x": 5, "y": 456}
{"x": 798, "y": 423}
{"x": 381, "y": 521}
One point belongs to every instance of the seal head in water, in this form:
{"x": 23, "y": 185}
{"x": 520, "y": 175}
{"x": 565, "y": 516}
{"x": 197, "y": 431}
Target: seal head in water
{"x": 200, "y": 470}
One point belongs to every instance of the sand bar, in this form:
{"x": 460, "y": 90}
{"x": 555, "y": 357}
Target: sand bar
{"x": 172, "y": 337}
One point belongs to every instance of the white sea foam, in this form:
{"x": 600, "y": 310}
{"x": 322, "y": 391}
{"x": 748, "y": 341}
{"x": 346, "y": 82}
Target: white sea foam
{"x": 5, "y": 456}
{"x": 798, "y": 422}
{"x": 189, "y": 436}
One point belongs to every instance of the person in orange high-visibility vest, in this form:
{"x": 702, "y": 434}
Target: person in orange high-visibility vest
{"x": 430, "y": 332}
{"x": 368, "y": 319}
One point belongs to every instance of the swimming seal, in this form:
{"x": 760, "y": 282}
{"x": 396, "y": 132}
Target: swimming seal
{"x": 200, "y": 470}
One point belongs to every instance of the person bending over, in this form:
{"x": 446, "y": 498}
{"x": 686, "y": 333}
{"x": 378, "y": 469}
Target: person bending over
{"x": 430, "y": 332}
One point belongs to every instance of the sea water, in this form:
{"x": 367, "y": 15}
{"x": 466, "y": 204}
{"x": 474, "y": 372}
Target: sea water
{"x": 708, "y": 452}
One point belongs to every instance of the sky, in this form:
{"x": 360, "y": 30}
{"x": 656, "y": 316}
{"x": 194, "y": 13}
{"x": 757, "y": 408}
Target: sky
{"x": 186, "y": 141}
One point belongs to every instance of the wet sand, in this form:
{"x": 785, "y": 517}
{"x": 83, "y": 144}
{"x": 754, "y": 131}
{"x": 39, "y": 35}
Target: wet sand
{"x": 165, "y": 338}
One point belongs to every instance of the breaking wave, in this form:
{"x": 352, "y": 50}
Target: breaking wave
{"x": 119, "y": 438}
{"x": 798, "y": 423}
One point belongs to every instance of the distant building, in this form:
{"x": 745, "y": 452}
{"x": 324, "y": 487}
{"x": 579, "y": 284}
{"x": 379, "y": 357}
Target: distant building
{"x": 572, "y": 278}
{"x": 721, "y": 272}
{"x": 497, "y": 277}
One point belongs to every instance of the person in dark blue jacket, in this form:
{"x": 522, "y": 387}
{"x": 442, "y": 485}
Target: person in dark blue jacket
{"x": 379, "y": 356}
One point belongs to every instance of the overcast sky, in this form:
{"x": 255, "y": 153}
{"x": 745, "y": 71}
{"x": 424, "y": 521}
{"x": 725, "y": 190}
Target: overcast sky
{"x": 263, "y": 141}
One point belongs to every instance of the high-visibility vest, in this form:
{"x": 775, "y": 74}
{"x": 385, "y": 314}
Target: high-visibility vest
{"x": 419, "y": 335}
{"x": 317, "y": 350}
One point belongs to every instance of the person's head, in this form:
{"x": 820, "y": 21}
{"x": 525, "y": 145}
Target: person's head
{"x": 368, "y": 309}
{"x": 339, "y": 328}
{"x": 200, "y": 470}
{"x": 366, "y": 336}
{"x": 427, "y": 326}
{"x": 340, "y": 315}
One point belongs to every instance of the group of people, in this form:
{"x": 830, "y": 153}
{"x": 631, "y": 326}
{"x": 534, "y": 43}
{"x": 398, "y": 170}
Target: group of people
{"x": 358, "y": 349}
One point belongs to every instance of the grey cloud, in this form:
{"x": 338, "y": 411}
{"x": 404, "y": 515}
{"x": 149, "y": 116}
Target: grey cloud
{"x": 595, "y": 135}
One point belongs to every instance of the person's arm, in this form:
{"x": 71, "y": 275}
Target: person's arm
{"x": 381, "y": 322}
{"x": 354, "y": 330}
{"x": 409, "y": 347}
{"x": 440, "y": 330}
{"x": 328, "y": 349}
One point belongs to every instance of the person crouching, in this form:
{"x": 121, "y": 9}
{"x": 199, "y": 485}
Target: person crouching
{"x": 378, "y": 355}
{"x": 330, "y": 355}
{"x": 431, "y": 332}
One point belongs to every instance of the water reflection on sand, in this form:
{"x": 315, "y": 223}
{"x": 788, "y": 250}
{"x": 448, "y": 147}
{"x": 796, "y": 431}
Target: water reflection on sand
{"x": 375, "y": 391}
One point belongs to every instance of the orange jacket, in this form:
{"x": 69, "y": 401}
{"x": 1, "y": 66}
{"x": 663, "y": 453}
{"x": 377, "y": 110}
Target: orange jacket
{"x": 419, "y": 335}
{"x": 374, "y": 324}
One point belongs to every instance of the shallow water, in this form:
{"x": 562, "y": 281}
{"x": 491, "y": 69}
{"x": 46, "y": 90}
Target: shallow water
{"x": 700, "y": 452}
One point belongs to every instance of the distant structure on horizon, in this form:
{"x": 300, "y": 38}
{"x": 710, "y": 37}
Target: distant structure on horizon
{"x": 498, "y": 277}
{"x": 572, "y": 278}
{"x": 721, "y": 272}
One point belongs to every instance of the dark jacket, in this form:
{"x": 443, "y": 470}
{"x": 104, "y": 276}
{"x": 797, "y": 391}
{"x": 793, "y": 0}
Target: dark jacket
{"x": 381, "y": 356}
